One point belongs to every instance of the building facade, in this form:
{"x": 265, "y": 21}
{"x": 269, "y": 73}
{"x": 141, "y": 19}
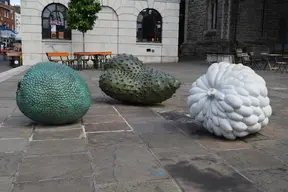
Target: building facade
{"x": 18, "y": 25}
{"x": 145, "y": 28}
{"x": 7, "y": 16}
{"x": 220, "y": 26}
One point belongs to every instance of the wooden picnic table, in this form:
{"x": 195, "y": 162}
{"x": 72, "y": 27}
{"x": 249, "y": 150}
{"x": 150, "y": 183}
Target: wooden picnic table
{"x": 15, "y": 58}
{"x": 96, "y": 57}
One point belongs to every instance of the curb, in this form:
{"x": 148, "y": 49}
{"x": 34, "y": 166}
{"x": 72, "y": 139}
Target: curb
{"x": 12, "y": 72}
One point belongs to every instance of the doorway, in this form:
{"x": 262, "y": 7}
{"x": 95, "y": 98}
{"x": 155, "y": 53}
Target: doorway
{"x": 283, "y": 34}
{"x": 181, "y": 25}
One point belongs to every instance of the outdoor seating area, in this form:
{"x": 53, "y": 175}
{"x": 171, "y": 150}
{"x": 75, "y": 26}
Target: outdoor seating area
{"x": 263, "y": 60}
{"x": 80, "y": 60}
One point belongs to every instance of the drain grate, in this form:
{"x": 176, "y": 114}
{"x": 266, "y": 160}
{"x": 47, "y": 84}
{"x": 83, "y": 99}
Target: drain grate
{"x": 177, "y": 116}
{"x": 185, "y": 123}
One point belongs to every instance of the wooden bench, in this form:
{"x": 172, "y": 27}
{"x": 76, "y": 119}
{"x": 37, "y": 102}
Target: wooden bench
{"x": 14, "y": 54}
{"x": 62, "y": 57}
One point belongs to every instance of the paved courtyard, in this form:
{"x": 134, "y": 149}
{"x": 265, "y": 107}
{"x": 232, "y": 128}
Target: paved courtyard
{"x": 119, "y": 148}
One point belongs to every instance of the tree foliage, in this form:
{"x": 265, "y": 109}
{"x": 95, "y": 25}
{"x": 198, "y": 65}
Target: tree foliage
{"x": 82, "y": 14}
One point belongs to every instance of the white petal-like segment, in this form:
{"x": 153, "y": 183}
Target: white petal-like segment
{"x": 230, "y": 100}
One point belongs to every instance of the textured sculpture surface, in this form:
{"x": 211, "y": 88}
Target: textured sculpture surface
{"x": 52, "y": 93}
{"x": 128, "y": 80}
{"x": 230, "y": 100}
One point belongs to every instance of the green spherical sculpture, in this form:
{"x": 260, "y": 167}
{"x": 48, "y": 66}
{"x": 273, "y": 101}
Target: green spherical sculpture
{"x": 128, "y": 80}
{"x": 52, "y": 93}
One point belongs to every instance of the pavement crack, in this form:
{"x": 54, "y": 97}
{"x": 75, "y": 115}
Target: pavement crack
{"x": 114, "y": 164}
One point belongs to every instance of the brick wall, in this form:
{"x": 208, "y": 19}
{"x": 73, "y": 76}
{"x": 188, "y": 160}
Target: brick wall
{"x": 197, "y": 26}
{"x": 8, "y": 19}
{"x": 249, "y": 25}
{"x": 249, "y": 20}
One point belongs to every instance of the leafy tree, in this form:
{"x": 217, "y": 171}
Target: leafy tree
{"x": 82, "y": 15}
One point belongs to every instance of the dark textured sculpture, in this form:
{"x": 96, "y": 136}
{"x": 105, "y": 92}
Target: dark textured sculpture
{"x": 128, "y": 80}
{"x": 52, "y": 93}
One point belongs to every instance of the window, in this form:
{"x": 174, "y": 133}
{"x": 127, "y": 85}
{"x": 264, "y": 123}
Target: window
{"x": 212, "y": 14}
{"x": 149, "y": 26}
{"x": 54, "y": 23}
{"x": 6, "y": 13}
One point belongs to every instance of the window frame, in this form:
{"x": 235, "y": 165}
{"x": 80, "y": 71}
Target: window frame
{"x": 46, "y": 31}
{"x": 212, "y": 14}
{"x": 6, "y": 13}
{"x": 158, "y": 20}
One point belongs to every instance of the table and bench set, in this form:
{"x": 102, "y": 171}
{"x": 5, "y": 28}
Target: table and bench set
{"x": 263, "y": 61}
{"x": 80, "y": 60}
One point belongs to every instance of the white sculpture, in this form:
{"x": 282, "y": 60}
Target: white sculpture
{"x": 230, "y": 100}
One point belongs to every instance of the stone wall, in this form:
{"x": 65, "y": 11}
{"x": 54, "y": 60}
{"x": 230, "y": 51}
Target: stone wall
{"x": 198, "y": 39}
{"x": 249, "y": 25}
{"x": 114, "y": 30}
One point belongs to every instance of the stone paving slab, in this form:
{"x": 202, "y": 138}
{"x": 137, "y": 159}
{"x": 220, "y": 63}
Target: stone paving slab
{"x": 271, "y": 180}
{"x": 276, "y": 148}
{"x": 154, "y": 127}
{"x": 9, "y": 145}
{"x": 214, "y": 144}
{"x": 6, "y": 184}
{"x": 9, "y": 163}
{"x": 206, "y": 173}
{"x": 15, "y": 132}
{"x": 250, "y": 159}
{"x": 151, "y": 186}
{"x": 140, "y": 116}
{"x": 125, "y": 163}
{"x": 76, "y": 125}
{"x": 16, "y": 121}
{"x": 90, "y": 119}
{"x": 7, "y": 103}
{"x": 121, "y": 138}
{"x": 5, "y": 112}
{"x": 83, "y": 184}
{"x": 167, "y": 140}
{"x": 59, "y": 134}
{"x": 54, "y": 167}
{"x": 98, "y": 110}
{"x": 107, "y": 127}
{"x": 56, "y": 147}
{"x": 17, "y": 113}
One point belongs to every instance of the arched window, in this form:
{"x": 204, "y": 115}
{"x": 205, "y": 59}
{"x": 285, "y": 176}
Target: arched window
{"x": 149, "y": 26}
{"x": 54, "y": 23}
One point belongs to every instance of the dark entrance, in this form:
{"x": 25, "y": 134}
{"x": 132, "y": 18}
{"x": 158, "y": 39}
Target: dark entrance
{"x": 283, "y": 34}
{"x": 181, "y": 25}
